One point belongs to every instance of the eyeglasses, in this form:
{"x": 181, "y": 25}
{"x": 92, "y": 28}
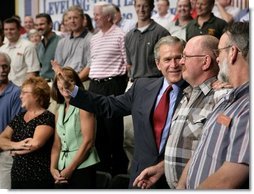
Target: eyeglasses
{"x": 218, "y": 51}
{"x": 183, "y": 56}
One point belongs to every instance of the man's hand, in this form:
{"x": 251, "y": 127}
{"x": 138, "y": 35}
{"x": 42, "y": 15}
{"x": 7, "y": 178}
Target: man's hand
{"x": 56, "y": 67}
{"x": 149, "y": 176}
{"x": 217, "y": 85}
{"x": 68, "y": 86}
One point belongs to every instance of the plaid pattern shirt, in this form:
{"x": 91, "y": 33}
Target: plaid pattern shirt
{"x": 186, "y": 128}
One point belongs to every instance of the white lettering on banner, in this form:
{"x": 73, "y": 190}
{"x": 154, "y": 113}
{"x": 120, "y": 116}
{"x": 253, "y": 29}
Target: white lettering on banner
{"x": 56, "y": 8}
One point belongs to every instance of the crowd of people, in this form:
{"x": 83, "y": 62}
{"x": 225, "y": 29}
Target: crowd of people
{"x": 164, "y": 99}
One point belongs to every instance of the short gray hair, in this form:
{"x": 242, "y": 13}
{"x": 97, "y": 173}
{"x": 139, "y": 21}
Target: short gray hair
{"x": 168, "y": 40}
{"x": 6, "y": 57}
{"x": 107, "y": 9}
{"x": 32, "y": 32}
{"x": 238, "y": 33}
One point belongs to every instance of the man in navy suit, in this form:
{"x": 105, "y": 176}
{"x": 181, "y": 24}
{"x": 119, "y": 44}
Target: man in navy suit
{"x": 140, "y": 101}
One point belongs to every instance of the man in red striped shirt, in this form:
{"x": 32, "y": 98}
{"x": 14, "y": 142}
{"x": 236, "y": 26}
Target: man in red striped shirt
{"x": 108, "y": 77}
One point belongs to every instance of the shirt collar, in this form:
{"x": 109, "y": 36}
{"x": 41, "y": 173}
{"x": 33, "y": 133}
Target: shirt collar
{"x": 151, "y": 26}
{"x": 176, "y": 87}
{"x": 15, "y": 45}
{"x": 205, "y": 87}
{"x": 210, "y": 20}
{"x": 50, "y": 38}
{"x": 239, "y": 91}
{"x": 100, "y": 33}
{"x": 82, "y": 35}
{"x": 8, "y": 89}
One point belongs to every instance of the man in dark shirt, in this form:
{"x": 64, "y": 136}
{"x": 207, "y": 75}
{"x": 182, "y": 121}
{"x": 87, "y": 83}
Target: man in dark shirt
{"x": 206, "y": 22}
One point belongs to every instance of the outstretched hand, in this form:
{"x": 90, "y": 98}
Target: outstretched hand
{"x": 68, "y": 86}
{"x": 56, "y": 67}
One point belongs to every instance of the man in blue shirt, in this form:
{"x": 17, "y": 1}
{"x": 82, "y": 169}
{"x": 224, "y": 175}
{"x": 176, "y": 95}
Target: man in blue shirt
{"x": 10, "y": 106}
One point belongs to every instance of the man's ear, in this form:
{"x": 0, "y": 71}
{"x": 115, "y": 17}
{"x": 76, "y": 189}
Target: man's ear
{"x": 233, "y": 54}
{"x": 206, "y": 63}
{"x": 157, "y": 61}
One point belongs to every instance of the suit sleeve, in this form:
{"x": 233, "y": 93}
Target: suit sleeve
{"x": 107, "y": 106}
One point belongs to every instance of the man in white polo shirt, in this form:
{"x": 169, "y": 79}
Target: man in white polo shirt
{"x": 24, "y": 60}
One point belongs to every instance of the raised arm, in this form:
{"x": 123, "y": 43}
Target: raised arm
{"x": 58, "y": 71}
{"x": 224, "y": 14}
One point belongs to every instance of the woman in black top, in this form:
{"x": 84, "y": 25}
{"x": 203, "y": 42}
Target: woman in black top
{"x": 29, "y": 137}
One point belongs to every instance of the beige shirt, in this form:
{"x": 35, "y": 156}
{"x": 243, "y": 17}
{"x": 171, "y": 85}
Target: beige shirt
{"x": 23, "y": 60}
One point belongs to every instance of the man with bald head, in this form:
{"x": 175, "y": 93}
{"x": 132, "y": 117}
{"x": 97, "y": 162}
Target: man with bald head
{"x": 199, "y": 69}
{"x": 28, "y": 25}
{"x": 222, "y": 158}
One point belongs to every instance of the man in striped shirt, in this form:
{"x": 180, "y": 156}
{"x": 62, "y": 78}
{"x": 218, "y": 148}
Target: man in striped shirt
{"x": 108, "y": 77}
{"x": 222, "y": 158}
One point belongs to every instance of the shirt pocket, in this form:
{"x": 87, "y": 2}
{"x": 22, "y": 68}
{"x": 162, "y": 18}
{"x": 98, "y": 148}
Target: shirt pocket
{"x": 18, "y": 62}
{"x": 195, "y": 125}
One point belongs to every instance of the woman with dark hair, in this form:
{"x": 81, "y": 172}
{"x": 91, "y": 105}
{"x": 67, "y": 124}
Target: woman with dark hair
{"x": 73, "y": 155}
{"x": 29, "y": 138}
{"x": 88, "y": 23}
